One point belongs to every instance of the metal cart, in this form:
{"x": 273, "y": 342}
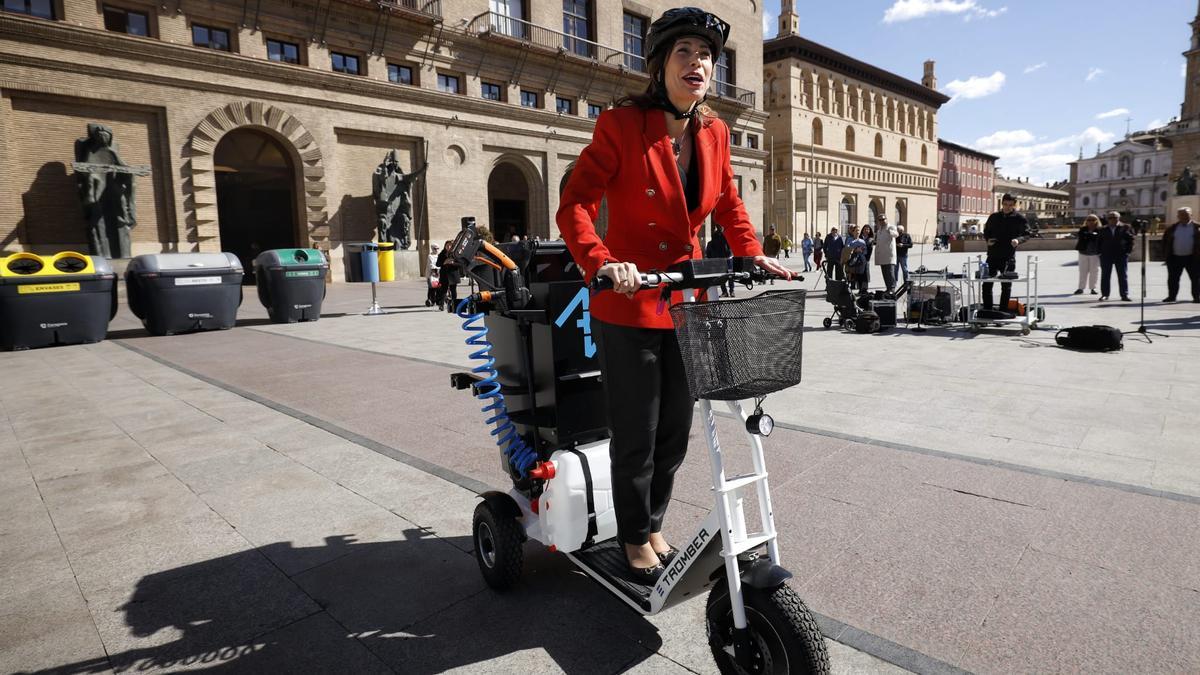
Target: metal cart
{"x": 1033, "y": 308}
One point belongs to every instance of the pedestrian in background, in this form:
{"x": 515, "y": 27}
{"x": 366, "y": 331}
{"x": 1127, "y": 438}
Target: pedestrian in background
{"x": 904, "y": 243}
{"x": 833, "y": 248}
{"x": 718, "y": 248}
{"x": 818, "y": 249}
{"x": 787, "y": 247}
{"x": 431, "y": 276}
{"x": 885, "y": 253}
{"x": 1116, "y": 243}
{"x": 1088, "y": 244}
{"x": 806, "y": 249}
{"x": 1181, "y": 243}
{"x": 867, "y": 234}
{"x": 772, "y": 243}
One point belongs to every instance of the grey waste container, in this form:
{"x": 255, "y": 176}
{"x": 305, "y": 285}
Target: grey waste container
{"x": 59, "y": 299}
{"x": 180, "y": 292}
{"x": 291, "y": 283}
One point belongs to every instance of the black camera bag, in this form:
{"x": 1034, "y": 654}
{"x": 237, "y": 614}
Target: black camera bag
{"x": 1090, "y": 338}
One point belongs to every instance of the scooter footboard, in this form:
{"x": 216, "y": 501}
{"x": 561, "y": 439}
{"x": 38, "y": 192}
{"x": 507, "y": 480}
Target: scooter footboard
{"x": 692, "y": 570}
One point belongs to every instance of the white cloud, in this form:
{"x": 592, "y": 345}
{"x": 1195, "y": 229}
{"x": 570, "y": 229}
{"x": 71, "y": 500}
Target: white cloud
{"x": 1119, "y": 112}
{"x": 1035, "y": 68}
{"x": 907, "y": 10}
{"x": 1155, "y": 123}
{"x": 770, "y": 19}
{"x": 1043, "y": 161}
{"x": 1183, "y": 69}
{"x": 975, "y": 86}
{"x": 1093, "y": 73}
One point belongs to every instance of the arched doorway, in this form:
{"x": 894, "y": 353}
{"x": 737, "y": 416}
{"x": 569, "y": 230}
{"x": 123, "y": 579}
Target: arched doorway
{"x": 901, "y": 214}
{"x": 508, "y": 202}
{"x": 256, "y": 195}
{"x": 846, "y": 213}
{"x": 876, "y": 209}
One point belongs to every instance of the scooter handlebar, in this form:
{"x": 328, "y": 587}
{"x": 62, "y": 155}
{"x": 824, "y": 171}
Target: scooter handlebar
{"x": 655, "y": 280}
{"x": 650, "y": 281}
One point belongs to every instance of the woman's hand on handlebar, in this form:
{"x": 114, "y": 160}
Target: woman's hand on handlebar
{"x": 625, "y": 277}
{"x": 772, "y": 265}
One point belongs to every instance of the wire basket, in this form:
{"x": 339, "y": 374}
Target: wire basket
{"x": 738, "y": 349}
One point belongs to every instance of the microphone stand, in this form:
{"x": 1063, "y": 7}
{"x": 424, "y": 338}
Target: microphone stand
{"x": 1142, "y": 331}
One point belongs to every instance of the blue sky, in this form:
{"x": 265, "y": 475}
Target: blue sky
{"x": 1033, "y": 80}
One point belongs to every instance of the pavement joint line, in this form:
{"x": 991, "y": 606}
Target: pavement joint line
{"x": 996, "y": 463}
{"x": 362, "y": 350}
{"x": 859, "y": 640}
{"x": 58, "y": 536}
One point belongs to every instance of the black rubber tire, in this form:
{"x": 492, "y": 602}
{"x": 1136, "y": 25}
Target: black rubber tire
{"x": 781, "y": 627}
{"x": 828, "y": 322}
{"x": 499, "y": 547}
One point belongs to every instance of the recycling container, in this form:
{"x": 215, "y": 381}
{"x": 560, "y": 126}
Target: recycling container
{"x": 59, "y": 299}
{"x": 181, "y": 292}
{"x": 291, "y": 283}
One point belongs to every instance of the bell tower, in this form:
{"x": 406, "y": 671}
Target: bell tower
{"x": 789, "y": 21}
{"x": 1191, "y": 90}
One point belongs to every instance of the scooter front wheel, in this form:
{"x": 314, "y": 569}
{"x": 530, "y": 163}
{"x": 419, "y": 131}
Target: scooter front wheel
{"x": 499, "y": 544}
{"x": 783, "y": 636}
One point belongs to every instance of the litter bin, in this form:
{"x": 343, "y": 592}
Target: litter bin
{"x": 291, "y": 283}
{"x": 362, "y": 262}
{"x": 60, "y": 299}
{"x": 180, "y": 292}
{"x": 386, "y": 255}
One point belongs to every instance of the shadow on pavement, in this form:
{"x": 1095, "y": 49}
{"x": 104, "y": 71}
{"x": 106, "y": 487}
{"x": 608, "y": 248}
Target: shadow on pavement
{"x": 418, "y": 605}
{"x": 1175, "y": 323}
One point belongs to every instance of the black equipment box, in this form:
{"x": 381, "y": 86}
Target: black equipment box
{"x": 886, "y": 309}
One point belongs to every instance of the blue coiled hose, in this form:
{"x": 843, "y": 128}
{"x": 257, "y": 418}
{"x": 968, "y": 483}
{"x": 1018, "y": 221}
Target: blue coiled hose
{"x": 519, "y": 455}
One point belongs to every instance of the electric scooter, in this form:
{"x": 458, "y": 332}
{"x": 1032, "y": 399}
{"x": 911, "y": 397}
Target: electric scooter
{"x": 540, "y": 383}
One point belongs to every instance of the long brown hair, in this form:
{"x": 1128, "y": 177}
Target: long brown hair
{"x": 645, "y": 100}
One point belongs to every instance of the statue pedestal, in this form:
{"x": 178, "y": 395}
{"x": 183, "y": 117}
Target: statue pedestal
{"x": 1177, "y": 202}
{"x": 408, "y": 264}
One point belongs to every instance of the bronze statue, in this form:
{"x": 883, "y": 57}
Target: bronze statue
{"x": 106, "y": 191}
{"x": 393, "y": 204}
{"x": 1186, "y": 185}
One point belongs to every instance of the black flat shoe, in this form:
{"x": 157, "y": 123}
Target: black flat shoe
{"x": 646, "y": 575}
{"x": 668, "y": 556}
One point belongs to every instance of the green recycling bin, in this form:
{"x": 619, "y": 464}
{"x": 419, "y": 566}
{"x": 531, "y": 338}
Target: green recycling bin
{"x": 291, "y": 283}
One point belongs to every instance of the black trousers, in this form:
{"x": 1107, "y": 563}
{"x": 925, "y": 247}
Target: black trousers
{"x": 995, "y": 267}
{"x": 1107, "y": 265}
{"x": 649, "y": 418}
{"x": 1176, "y": 264}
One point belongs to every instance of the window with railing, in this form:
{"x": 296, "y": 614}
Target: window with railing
{"x": 723, "y": 73}
{"x": 508, "y": 18}
{"x": 594, "y": 110}
{"x": 121, "y": 20}
{"x": 284, "y": 52}
{"x": 400, "y": 74}
{"x": 529, "y": 99}
{"x": 577, "y": 27}
{"x": 344, "y": 63}
{"x": 635, "y": 42}
{"x": 42, "y": 9}
{"x": 490, "y": 91}
{"x": 210, "y": 38}
{"x": 449, "y": 83}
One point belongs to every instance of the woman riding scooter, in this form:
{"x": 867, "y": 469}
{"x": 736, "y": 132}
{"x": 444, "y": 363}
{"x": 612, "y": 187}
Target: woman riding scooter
{"x": 662, "y": 159}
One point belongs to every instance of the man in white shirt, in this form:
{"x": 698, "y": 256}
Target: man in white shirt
{"x": 1181, "y": 244}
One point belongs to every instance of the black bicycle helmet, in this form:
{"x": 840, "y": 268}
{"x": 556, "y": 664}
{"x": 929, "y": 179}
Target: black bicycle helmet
{"x": 676, "y": 23}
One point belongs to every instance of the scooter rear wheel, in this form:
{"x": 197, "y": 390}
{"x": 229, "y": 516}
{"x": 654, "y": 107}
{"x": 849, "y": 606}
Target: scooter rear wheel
{"x": 784, "y": 637}
{"x": 499, "y": 541}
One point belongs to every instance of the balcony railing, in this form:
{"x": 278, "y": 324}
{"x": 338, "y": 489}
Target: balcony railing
{"x": 428, "y": 9}
{"x": 500, "y": 26}
{"x": 496, "y": 25}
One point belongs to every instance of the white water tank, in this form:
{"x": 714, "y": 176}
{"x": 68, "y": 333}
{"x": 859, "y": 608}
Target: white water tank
{"x": 563, "y": 507}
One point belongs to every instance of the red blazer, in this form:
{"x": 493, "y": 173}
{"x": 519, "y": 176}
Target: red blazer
{"x": 630, "y": 161}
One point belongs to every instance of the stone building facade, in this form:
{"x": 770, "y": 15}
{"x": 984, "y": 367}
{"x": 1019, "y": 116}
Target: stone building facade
{"x": 1131, "y": 177}
{"x": 964, "y": 186}
{"x": 1184, "y": 133}
{"x": 263, "y": 122}
{"x": 1042, "y": 205}
{"x": 850, "y": 140}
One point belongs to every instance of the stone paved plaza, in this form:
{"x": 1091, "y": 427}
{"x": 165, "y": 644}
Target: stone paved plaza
{"x": 297, "y": 498}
